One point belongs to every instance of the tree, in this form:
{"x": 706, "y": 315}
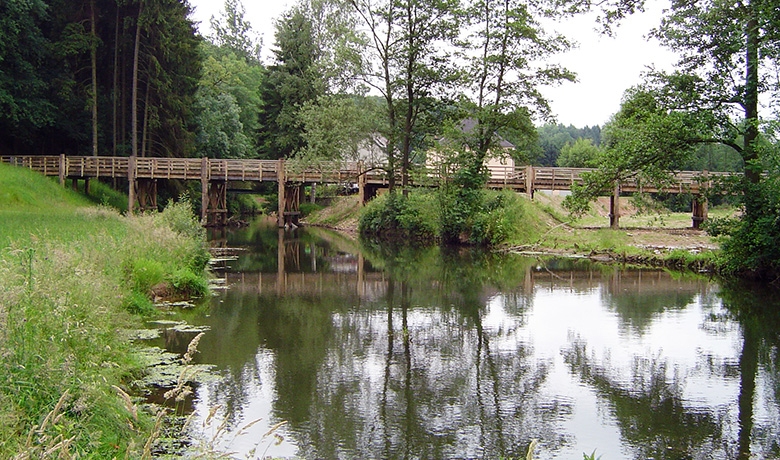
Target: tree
{"x": 728, "y": 54}
{"x": 232, "y": 83}
{"x": 338, "y": 128}
{"x": 508, "y": 46}
{"x": 553, "y": 137}
{"x": 234, "y": 33}
{"x": 170, "y": 66}
{"x": 25, "y": 103}
{"x": 408, "y": 61}
{"x": 220, "y": 131}
{"x": 579, "y": 154}
{"x": 287, "y": 85}
{"x": 642, "y": 142}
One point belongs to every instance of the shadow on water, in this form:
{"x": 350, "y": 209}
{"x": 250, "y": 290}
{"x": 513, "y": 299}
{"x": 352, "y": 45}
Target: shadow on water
{"x": 376, "y": 352}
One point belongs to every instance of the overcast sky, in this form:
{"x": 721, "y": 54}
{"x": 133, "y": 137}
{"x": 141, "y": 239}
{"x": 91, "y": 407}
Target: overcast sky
{"x": 605, "y": 66}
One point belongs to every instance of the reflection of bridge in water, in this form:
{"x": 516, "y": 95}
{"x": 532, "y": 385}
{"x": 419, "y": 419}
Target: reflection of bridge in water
{"x": 352, "y": 275}
{"x": 217, "y": 177}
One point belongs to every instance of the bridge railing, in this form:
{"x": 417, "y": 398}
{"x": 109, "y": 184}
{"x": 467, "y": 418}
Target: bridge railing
{"x": 519, "y": 178}
{"x": 48, "y": 165}
{"x": 242, "y": 170}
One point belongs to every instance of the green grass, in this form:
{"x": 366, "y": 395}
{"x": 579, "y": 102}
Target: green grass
{"x": 72, "y": 277}
{"x": 24, "y": 190}
{"x": 34, "y": 207}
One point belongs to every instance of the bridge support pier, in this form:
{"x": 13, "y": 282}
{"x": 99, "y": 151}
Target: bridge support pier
{"x": 289, "y": 204}
{"x": 213, "y": 207}
{"x": 699, "y": 211}
{"x": 614, "y": 209}
{"x": 146, "y": 194}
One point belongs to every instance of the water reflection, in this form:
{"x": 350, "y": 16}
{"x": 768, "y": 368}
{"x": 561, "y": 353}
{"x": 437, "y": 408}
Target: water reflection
{"x": 399, "y": 353}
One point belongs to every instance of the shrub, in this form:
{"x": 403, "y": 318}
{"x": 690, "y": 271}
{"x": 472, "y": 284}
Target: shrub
{"x": 179, "y": 216}
{"x": 308, "y": 208}
{"x": 186, "y": 283}
{"x": 395, "y": 217}
{"x": 146, "y": 274}
{"x": 138, "y": 303}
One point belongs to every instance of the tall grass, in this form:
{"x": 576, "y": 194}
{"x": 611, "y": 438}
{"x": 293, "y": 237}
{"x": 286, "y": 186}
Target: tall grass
{"x": 67, "y": 278}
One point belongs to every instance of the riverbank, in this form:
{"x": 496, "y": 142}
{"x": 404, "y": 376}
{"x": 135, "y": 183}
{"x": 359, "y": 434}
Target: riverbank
{"x": 658, "y": 239}
{"x": 74, "y": 278}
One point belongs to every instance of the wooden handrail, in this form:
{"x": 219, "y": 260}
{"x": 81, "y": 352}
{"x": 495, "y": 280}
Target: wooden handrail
{"x": 517, "y": 178}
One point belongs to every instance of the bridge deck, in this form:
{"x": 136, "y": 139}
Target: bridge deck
{"x": 523, "y": 179}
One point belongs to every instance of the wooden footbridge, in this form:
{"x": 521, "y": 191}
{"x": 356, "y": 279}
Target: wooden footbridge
{"x": 216, "y": 176}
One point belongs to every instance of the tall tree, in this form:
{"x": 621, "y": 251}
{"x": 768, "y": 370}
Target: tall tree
{"x": 409, "y": 62}
{"x": 234, "y": 33}
{"x": 288, "y": 84}
{"x": 722, "y": 47}
{"x": 728, "y": 58}
{"x": 25, "y": 103}
{"x": 509, "y": 49}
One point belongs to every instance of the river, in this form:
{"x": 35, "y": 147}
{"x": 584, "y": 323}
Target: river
{"x": 367, "y": 352}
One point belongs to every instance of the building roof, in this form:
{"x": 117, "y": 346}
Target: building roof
{"x": 469, "y": 124}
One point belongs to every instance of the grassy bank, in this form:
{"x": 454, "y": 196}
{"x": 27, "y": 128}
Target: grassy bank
{"x": 542, "y": 225}
{"x": 73, "y": 278}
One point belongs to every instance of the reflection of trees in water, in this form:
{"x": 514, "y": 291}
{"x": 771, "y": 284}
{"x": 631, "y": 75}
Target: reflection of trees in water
{"x": 404, "y": 363}
{"x": 419, "y": 382}
{"x": 758, "y": 311}
{"x": 655, "y": 420}
{"x": 650, "y": 410}
{"x": 639, "y": 297}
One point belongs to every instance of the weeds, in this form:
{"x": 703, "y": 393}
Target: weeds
{"x": 64, "y": 296}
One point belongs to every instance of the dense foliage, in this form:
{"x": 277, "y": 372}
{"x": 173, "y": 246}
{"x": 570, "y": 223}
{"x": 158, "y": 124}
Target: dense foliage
{"x": 554, "y": 137}
{"x": 728, "y": 53}
{"x": 451, "y": 214}
{"x": 97, "y": 76}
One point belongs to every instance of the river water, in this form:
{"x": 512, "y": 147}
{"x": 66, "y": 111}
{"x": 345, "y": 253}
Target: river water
{"x": 376, "y": 353}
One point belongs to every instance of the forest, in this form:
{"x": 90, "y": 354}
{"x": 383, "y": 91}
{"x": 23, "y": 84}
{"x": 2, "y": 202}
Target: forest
{"x": 397, "y": 78}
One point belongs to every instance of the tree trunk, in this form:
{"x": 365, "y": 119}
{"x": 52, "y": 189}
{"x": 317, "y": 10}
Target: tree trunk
{"x": 144, "y": 135}
{"x": 408, "y": 121}
{"x": 749, "y": 154}
{"x": 93, "y": 61}
{"x": 115, "y": 91}
{"x": 134, "y": 96}
{"x": 751, "y": 90}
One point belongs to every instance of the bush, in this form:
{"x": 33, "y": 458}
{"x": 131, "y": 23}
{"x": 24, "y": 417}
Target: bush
{"x": 146, "y": 274}
{"x": 308, "y": 208}
{"x": 138, "y": 303}
{"x": 394, "y": 217}
{"x": 186, "y": 283}
{"x": 179, "y": 216}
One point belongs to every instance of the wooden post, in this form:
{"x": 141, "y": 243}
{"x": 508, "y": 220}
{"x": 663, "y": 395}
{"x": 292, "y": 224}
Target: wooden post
{"x": 614, "y": 208}
{"x": 204, "y": 190}
{"x": 530, "y": 178}
{"x": 699, "y": 211}
{"x": 280, "y": 179}
{"x": 313, "y": 192}
{"x": 281, "y": 273}
{"x": 131, "y": 173}
{"x": 62, "y": 170}
{"x": 361, "y": 185}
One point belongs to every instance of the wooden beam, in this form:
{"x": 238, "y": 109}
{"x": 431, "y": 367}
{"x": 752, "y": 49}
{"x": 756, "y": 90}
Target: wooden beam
{"x": 204, "y": 190}
{"x": 699, "y": 206}
{"x": 614, "y": 208}
{"x": 280, "y": 178}
{"x": 131, "y": 173}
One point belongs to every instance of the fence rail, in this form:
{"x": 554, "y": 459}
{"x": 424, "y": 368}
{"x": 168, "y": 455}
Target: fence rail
{"x": 523, "y": 179}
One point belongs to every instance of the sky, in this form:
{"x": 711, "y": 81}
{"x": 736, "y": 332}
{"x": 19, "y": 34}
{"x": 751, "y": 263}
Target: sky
{"x": 605, "y": 66}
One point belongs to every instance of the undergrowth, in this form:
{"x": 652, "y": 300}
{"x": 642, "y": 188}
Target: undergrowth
{"x": 70, "y": 283}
